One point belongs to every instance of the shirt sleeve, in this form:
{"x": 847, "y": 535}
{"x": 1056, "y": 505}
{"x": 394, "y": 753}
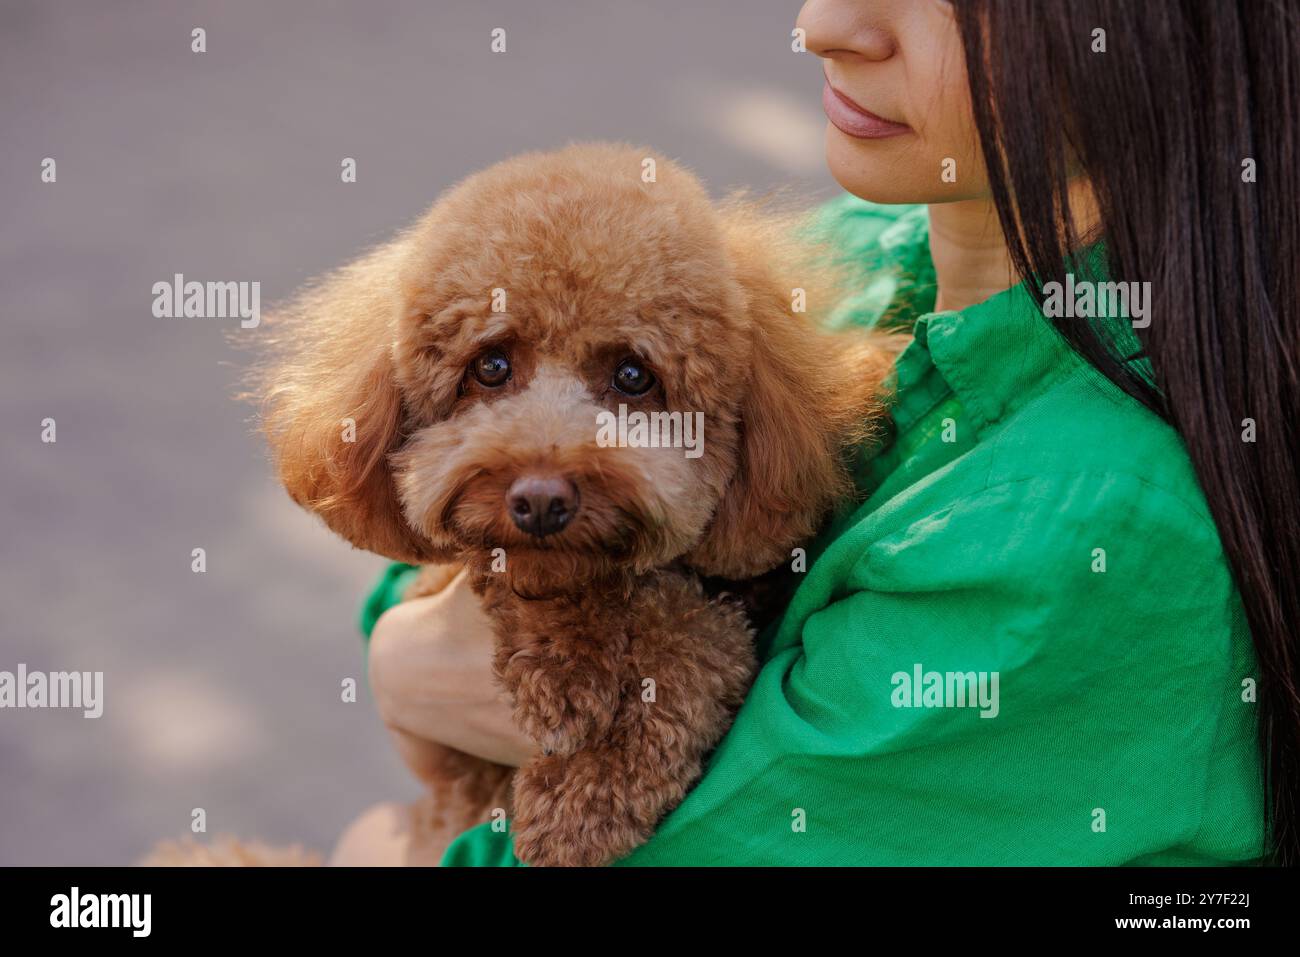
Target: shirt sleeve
{"x": 1094, "y": 744}
{"x": 387, "y": 592}
{"x": 1092, "y": 720}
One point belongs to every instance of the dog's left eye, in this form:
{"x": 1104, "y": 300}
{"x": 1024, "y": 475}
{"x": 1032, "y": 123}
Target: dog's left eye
{"x": 492, "y": 368}
{"x": 633, "y": 378}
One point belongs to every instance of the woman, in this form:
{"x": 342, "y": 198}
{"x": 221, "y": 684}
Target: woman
{"x": 1091, "y": 509}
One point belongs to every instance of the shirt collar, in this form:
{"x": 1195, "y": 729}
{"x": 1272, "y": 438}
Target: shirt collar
{"x": 997, "y": 355}
{"x": 994, "y": 356}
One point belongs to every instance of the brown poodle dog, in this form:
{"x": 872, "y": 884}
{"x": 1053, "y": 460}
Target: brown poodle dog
{"x": 441, "y": 400}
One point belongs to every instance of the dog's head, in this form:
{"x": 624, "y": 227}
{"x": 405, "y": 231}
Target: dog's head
{"x": 578, "y": 363}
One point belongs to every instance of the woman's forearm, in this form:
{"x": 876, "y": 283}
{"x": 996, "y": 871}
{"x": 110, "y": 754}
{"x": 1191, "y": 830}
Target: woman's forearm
{"x": 431, "y": 673}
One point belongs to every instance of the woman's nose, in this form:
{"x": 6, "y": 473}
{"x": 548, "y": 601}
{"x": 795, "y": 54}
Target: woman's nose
{"x": 849, "y": 29}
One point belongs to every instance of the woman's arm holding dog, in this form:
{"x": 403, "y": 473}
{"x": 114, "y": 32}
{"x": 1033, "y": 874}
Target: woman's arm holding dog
{"x": 431, "y": 674}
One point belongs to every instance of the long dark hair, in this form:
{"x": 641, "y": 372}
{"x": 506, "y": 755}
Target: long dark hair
{"x": 1187, "y": 130}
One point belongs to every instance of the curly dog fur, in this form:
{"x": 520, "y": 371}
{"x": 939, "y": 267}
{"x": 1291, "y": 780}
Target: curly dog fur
{"x": 550, "y": 271}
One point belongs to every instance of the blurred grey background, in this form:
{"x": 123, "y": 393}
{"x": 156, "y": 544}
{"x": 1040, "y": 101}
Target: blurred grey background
{"x": 223, "y": 688}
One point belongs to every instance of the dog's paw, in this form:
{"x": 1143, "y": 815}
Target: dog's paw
{"x": 568, "y": 813}
{"x": 540, "y": 846}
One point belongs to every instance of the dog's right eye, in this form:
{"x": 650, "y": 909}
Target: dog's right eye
{"x": 491, "y": 369}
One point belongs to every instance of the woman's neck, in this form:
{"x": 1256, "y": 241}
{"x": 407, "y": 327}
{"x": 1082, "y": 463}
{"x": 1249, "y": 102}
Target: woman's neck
{"x": 969, "y": 250}
{"x": 971, "y": 261}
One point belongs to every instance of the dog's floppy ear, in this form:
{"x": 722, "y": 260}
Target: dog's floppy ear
{"x": 331, "y": 408}
{"x": 812, "y": 396}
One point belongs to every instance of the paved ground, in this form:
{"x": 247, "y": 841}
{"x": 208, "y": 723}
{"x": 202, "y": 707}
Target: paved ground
{"x": 223, "y": 688}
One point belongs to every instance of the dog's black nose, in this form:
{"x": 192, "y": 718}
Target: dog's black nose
{"x": 542, "y": 506}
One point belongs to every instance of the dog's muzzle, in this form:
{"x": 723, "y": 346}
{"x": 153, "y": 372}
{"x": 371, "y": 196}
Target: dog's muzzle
{"x": 542, "y": 505}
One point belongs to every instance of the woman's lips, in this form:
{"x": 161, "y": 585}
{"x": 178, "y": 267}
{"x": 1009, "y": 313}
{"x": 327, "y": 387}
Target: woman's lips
{"x": 851, "y": 119}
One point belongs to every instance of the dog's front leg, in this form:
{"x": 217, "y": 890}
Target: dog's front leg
{"x": 684, "y": 667}
{"x": 563, "y": 676}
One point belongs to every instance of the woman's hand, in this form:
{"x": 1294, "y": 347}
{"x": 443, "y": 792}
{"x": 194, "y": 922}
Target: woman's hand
{"x": 431, "y": 674}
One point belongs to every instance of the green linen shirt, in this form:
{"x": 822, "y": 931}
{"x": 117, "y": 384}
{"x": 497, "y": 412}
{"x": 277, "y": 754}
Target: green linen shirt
{"x": 1026, "y": 521}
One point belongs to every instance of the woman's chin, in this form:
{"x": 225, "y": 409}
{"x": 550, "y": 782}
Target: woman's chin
{"x": 866, "y": 168}
{"x": 889, "y": 171}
